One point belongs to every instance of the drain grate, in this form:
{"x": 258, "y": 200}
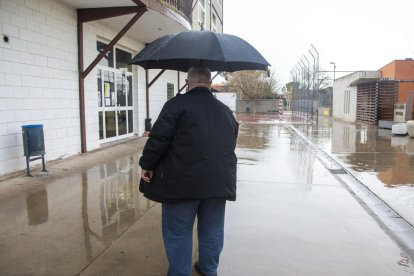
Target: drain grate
{"x": 337, "y": 171}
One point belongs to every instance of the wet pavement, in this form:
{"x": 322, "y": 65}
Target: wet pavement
{"x": 60, "y": 222}
{"x": 380, "y": 160}
{"x": 292, "y": 217}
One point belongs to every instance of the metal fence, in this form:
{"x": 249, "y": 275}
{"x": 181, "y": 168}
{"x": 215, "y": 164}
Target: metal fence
{"x": 305, "y": 103}
{"x": 309, "y": 92}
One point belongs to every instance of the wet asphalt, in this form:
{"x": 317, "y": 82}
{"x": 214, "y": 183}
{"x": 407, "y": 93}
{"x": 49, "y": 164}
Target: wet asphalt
{"x": 291, "y": 217}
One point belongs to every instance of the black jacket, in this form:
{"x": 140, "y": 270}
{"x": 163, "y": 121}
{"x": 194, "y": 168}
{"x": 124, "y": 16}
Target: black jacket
{"x": 191, "y": 150}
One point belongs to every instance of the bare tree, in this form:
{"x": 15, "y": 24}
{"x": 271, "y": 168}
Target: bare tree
{"x": 254, "y": 84}
{"x": 323, "y": 81}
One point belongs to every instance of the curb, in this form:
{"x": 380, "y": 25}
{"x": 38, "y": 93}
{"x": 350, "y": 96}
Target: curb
{"x": 399, "y": 229}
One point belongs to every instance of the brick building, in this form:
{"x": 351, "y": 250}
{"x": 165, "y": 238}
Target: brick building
{"x": 370, "y": 96}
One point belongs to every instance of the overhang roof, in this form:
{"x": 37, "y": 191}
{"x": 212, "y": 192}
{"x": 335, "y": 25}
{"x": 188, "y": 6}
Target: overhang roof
{"x": 363, "y": 81}
{"x": 159, "y": 20}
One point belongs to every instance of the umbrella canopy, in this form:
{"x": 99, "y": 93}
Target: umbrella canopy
{"x": 216, "y": 51}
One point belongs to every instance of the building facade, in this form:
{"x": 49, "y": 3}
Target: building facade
{"x": 344, "y": 99}
{"x": 208, "y": 15}
{"x": 370, "y": 96}
{"x": 402, "y": 71}
{"x": 82, "y": 107}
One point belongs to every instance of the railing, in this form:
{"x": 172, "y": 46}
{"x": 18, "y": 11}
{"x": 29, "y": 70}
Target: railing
{"x": 183, "y": 6}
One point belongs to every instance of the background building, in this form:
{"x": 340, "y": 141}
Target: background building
{"x": 344, "y": 99}
{"x": 208, "y": 15}
{"x": 402, "y": 71}
{"x": 370, "y": 96}
{"x": 43, "y": 44}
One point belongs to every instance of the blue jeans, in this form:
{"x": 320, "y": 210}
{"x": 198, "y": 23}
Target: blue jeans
{"x": 177, "y": 229}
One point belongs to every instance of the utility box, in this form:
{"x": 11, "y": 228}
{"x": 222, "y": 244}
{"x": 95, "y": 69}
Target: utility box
{"x": 33, "y": 144}
{"x": 399, "y": 112}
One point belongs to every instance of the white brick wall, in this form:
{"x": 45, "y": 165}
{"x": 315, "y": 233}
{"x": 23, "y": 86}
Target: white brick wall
{"x": 39, "y": 80}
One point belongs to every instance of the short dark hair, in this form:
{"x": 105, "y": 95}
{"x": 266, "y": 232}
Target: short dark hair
{"x": 199, "y": 74}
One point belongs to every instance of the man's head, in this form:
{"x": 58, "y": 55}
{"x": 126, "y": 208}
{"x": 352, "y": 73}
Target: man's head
{"x": 198, "y": 76}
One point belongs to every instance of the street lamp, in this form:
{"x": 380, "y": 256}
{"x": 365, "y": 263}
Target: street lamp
{"x": 333, "y": 63}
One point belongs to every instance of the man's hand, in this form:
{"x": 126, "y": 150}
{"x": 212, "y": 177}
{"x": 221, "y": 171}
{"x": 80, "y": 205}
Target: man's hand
{"x": 146, "y": 175}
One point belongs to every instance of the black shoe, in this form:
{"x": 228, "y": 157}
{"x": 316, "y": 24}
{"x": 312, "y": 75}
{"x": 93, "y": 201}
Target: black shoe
{"x": 197, "y": 268}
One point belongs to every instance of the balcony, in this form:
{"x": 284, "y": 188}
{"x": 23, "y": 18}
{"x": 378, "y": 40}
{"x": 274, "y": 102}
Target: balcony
{"x": 181, "y": 6}
{"x": 163, "y": 16}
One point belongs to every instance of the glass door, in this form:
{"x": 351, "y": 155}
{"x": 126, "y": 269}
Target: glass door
{"x": 115, "y": 99}
{"x": 115, "y": 104}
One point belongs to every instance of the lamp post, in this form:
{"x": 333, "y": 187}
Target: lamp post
{"x": 331, "y": 96}
{"x": 334, "y": 65}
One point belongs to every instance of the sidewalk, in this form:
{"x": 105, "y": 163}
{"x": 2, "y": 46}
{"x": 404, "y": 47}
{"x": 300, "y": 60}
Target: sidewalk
{"x": 383, "y": 162}
{"x": 291, "y": 217}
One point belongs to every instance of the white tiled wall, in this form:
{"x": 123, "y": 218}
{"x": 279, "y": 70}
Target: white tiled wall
{"x": 39, "y": 80}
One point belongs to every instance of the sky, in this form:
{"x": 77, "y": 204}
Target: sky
{"x": 354, "y": 34}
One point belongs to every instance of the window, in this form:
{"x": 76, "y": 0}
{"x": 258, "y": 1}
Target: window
{"x": 122, "y": 59}
{"x": 114, "y": 95}
{"x": 202, "y": 13}
{"x": 108, "y": 59}
{"x": 347, "y": 100}
{"x": 213, "y": 23}
{"x": 170, "y": 91}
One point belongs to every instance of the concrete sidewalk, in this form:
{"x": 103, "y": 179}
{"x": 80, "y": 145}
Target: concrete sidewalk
{"x": 292, "y": 217}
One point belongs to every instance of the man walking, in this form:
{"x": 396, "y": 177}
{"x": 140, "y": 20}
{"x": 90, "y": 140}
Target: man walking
{"x": 189, "y": 165}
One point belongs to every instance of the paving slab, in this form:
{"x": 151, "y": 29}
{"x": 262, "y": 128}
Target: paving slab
{"x": 291, "y": 217}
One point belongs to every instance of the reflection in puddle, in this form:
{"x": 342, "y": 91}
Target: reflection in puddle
{"x": 247, "y": 161}
{"x": 260, "y": 146}
{"x": 367, "y": 149}
{"x": 37, "y": 207}
{"x": 254, "y": 136}
{"x": 380, "y": 160}
{"x": 75, "y": 217}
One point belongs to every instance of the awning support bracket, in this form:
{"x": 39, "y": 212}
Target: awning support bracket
{"x": 148, "y": 84}
{"x": 111, "y": 44}
{"x": 87, "y": 15}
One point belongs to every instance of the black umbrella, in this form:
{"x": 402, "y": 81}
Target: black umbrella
{"x": 216, "y": 51}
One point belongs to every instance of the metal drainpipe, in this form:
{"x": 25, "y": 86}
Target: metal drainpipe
{"x": 147, "y": 119}
{"x": 211, "y": 3}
